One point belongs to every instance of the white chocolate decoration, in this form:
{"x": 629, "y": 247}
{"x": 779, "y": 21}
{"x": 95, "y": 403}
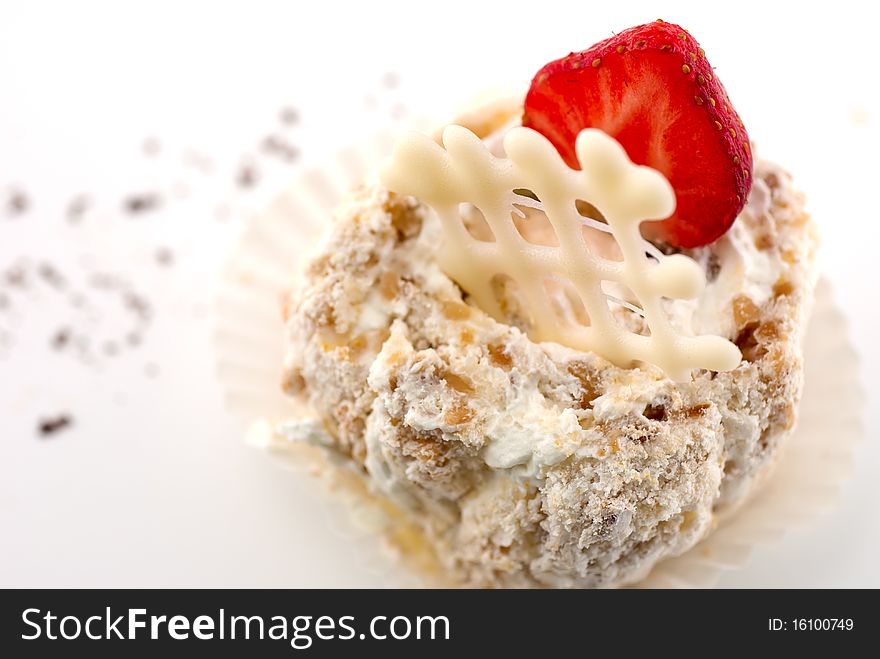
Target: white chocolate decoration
{"x": 626, "y": 195}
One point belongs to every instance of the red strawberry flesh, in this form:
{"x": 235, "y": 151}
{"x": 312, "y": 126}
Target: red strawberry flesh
{"x": 651, "y": 88}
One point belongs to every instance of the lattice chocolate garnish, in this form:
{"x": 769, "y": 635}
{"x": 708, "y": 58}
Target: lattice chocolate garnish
{"x": 534, "y": 178}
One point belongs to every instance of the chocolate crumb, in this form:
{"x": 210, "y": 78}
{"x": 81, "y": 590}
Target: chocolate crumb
{"x": 137, "y": 305}
{"x": 110, "y": 348}
{"x": 164, "y": 256}
{"x": 247, "y": 176}
{"x": 77, "y": 208}
{"x": 278, "y": 146}
{"x": 4, "y": 301}
{"x": 289, "y": 115}
{"x": 133, "y": 339}
{"x": 54, "y": 424}
{"x": 18, "y": 203}
{"x": 16, "y": 277}
{"x": 104, "y": 281}
{"x": 51, "y": 276}
{"x": 61, "y": 338}
{"x": 142, "y": 203}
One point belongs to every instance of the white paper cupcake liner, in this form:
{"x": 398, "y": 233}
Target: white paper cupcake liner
{"x": 249, "y": 352}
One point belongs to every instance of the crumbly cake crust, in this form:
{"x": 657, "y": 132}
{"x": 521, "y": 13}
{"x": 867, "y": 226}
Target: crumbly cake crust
{"x": 620, "y": 467}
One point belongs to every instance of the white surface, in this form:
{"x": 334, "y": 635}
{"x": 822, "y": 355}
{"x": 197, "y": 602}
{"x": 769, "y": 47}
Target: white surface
{"x": 152, "y": 485}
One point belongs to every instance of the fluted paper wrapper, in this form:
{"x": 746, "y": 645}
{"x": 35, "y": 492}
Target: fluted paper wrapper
{"x": 805, "y": 482}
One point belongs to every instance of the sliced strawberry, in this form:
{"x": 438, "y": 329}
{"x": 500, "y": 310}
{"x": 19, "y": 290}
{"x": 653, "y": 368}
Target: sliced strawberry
{"x": 651, "y": 88}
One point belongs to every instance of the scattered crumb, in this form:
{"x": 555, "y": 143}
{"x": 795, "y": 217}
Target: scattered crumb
{"x": 164, "y": 256}
{"x": 247, "y": 176}
{"x": 288, "y": 116}
{"x": 104, "y": 281}
{"x": 77, "y": 208}
{"x": 279, "y": 146}
{"x": 142, "y": 203}
{"x": 61, "y": 338}
{"x": 137, "y": 304}
{"x": 16, "y": 277}
{"x": 89, "y": 325}
{"x": 50, "y": 274}
{"x": 17, "y": 203}
{"x": 52, "y": 425}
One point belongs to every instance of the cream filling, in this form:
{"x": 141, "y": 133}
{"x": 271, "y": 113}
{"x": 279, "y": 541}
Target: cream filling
{"x": 744, "y": 270}
{"x": 530, "y": 436}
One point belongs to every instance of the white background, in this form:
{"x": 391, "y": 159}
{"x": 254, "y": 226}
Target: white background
{"x": 151, "y": 486}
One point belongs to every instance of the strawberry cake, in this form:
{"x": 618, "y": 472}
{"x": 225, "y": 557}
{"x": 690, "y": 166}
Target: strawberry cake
{"x": 561, "y": 339}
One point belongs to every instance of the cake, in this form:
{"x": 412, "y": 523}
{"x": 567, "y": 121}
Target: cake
{"x": 524, "y": 461}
